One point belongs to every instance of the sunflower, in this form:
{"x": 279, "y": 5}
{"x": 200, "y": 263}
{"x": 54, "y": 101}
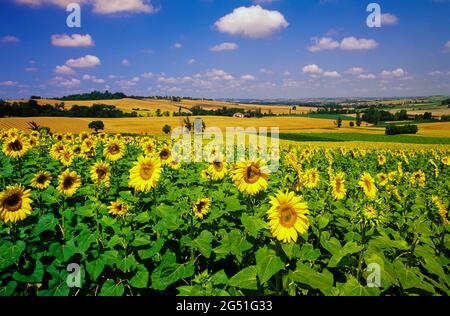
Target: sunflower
{"x": 66, "y": 157}
{"x": 201, "y": 207}
{"x": 145, "y": 174}
{"x": 41, "y": 180}
{"x": 206, "y": 175}
{"x": 218, "y": 170}
{"x": 446, "y": 161}
{"x": 114, "y": 150}
{"x": 418, "y": 178}
{"x": 251, "y": 177}
{"x": 313, "y": 178}
{"x": 368, "y": 185}
{"x": 441, "y": 208}
{"x": 87, "y": 152}
{"x": 149, "y": 147}
{"x": 381, "y": 160}
{"x": 165, "y": 155}
{"x": 383, "y": 179}
{"x": 16, "y": 147}
{"x": 69, "y": 182}
{"x": 118, "y": 208}
{"x": 370, "y": 215}
{"x": 392, "y": 175}
{"x": 56, "y": 150}
{"x": 400, "y": 169}
{"x": 287, "y": 216}
{"x": 338, "y": 186}
{"x": 100, "y": 173}
{"x": 15, "y": 204}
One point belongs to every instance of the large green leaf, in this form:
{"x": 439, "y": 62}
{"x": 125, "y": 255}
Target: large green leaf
{"x": 245, "y": 279}
{"x": 148, "y": 253}
{"x": 140, "y": 279}
{"x": 304, "y": 274}
{"x": 169, "y": 272}
{"x": 95, "y": 268}
{"x": 253, "y": 224}
{"x": 10, "y": 253}
{"x": 46, "y": 222}
{"x": 110, "y": 288}
{"x": 35, "y": 277}
{"x": 348, "y": 249}
{"x": 203, "y": 243}
{"x": 268, "y": 263}
{"x": 8, "y": 290}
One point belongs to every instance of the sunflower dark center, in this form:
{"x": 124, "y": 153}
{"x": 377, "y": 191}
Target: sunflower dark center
{"x": 101, "y": 173}
{"x": 15, "y": 145}
{"x": 146, "y": 171}
{"x": 13, "y": 202}
{"x": 200, "y": 206}
{"x": 368, "y": 184}
{"x": 288, "y": 216}
{"x": 252, "y": 174}
{"x": 164, "y": 154}
{"x": 114, "y": 149}
{"x": 41, "y": 179}
{"x": 68, "y": 182}
{"x": 218, "y": 165}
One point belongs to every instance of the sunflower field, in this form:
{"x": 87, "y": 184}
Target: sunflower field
{"x": 136, "y": 221}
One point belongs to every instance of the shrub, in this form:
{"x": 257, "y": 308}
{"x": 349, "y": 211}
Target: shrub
{"x": 401, "y": 129}
{"x": 96, "y": 125}
{"x": 166, "y": 129}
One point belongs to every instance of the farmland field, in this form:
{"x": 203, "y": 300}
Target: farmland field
{"x": 136, "y": 221}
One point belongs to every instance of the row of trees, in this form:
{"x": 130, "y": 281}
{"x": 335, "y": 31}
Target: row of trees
{"x": 33, "y": 109}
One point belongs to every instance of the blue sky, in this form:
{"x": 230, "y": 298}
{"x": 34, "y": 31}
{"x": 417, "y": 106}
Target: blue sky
{"x": 225, "y": 48}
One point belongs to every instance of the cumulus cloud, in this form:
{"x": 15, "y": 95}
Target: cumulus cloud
{"x": 253, "y": 22}
{"x": 167, "y": 80}
{"x": 191, "y": 61}
{"x": 223, "y": 47}
{"x": 100, "y": 6}
{"x": 147, "y": 75}
{"x": 312, "y": 69}
{"x": 219, "y": 74}
{"x": 64, "y": 70}
{"x": 396, "y": 73}
{"x": 331, "y": 74}
{"x": 348, "y": 43}
{"x": 366, "y": 76}
{"x": 177, "y": 45}
{"x": 74, "y": 40}
{"x": 9, "y": 83}
{"x": 9, "y": 39}
{"x": 389, "y": 19}
{"x": 435, "y": 73}
{"x": 353, "y": 43}
{"x": 248, "y": 77}
{"x": 355, "y": 71}
{"x": 125, "y": 62}
{"x": 266, "y": 71}
{"x": 67, "y": 83}
{"x": 324, "y": 43}
{"x": 88, "y": 61}
{"x": 31, "y": 69}
{"x": 93, "y": 79}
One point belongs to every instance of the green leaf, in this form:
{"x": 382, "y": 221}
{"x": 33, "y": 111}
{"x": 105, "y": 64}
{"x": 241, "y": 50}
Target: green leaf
{"x": 35, "y": 277}
{"x": 86, "y": 210}
{"x": 115, "y": 240}
{"x": 332, "y": 245}
{"x": 140, "y": 279}
{"x": 220, "y": 278}
{"x": 322, "y": 281}
{"x": 148, "y": 253}
{"x": 233, "y": 243}
{"x": 352, "y": 288}
{"x": 245, "y": 279}
{"x": 47, "y": 222}
{"x": 349, "y": 248}
{"x": 142, "y": 218}
{"x": 141, "y": 241}
{"x": 8, "y": 290}
{"x": 127, "y": 263}
{"x": 203, "y": 243}
{"x": 232, "y": 203}
{"x": 253, "y": 224}
{"x": 10, "y": 253}
{"x": 95, "y": 268}
{"x": 308, "y": 253}
{"x": 169, "y": 272}
{"x": 110, "y": 288}
{"x": 268, "y": 263}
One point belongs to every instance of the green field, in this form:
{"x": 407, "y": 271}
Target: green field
{"x": 348, "y": 137}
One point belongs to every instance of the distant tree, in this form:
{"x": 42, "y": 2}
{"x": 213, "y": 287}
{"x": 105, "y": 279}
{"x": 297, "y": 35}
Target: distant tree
{"x": 166, "y": 129}
{"x": 352, "y": 124}
{"x": 338, "y": 122}
{"x": 35, "y": 97}
{"x": 427, "y": 116}
{"x": 187, "y": 123}
{"x": 158, "y": 112}
{"x": 294, "y": 108}
{"x": 358, "y": 119}
{"x": 96, "y": 125}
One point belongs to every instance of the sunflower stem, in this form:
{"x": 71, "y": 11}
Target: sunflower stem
{"x": 361, "y": 253}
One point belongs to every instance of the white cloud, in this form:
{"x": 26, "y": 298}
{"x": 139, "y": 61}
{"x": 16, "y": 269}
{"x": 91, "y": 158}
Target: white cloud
{"x": 64, "y": 70}
{"x": 74, "y": 40}
{"x": 88, "y": 61}
{"x": 93, "y": 79}
{"x": 168, "y": 80}
{"x": 312, "y": 69}
{"x": 447, "y": 47}
{"x": 31, "y": 69}
{"x": 266, "y": 71}
{"x": 125, "y": 84}
{"x": 9, "y": 39}
{"x": 331, "y": 74}
{"x": 177, "y": 45}
{"x": 125, "y": 62}
{"x": 191, "y": 61}
{"x": 136, "y": 79}
{"x": 367, "y": 77}
{"x": 435, "y": 73}
{"x": 355, "y": 71}
{"x": 219, "y": 74}
{"x": 119, "y": 6}
{"x": 286, "y": 73}
{"x": 252, "y": 22}
{"x": 148, "y": 51}
{"x": 248, "y": 77}
{"x": 9, "y": 83}
{"x": 353, "y": 43}
{"x": 264, "y": 1}
{"x": 223, "y": 47}
{"x": 147, "y": 75}
{"x": 68, "y": 83}
{"x": 397, "y": 73}
{"x": 324, "y": 43}
{"x": 389, "y": 19}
